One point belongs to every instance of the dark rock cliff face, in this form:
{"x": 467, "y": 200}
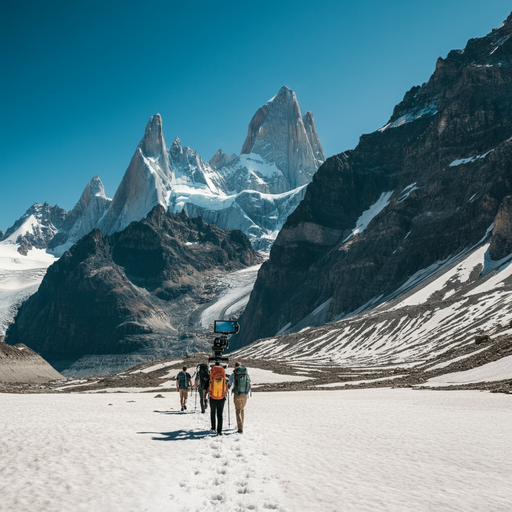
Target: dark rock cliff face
{"x": 441, "y": 171}
{"x": 105, "y": 290}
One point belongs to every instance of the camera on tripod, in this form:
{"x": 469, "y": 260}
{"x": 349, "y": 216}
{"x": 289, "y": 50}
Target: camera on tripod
{"x": 221, "y": 343}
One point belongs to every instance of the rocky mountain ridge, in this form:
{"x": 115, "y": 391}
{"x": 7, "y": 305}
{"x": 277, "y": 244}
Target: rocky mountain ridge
{"x": 430, "y": 185}
{"x": 120, "y": 293}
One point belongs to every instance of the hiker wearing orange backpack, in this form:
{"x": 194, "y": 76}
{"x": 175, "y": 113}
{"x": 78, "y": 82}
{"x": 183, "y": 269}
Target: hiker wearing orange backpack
{"x": 216, "y": 388}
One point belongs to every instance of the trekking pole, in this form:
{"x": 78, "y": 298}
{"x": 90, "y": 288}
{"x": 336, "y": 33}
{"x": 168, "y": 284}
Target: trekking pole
{"x": 229, "y": 415}
{"x": 195, "y": 402}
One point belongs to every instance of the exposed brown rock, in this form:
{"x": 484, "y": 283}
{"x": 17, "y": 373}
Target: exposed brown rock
{"x": 19, "y": 363}
{"x": 501, "y": 242}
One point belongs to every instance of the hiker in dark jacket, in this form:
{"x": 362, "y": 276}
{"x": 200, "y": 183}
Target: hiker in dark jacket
{"x": 202, "y": 375}
{"x": 216, "y": 388}
{"x": 183, "y": 382}
{"x": 240, "y": 382}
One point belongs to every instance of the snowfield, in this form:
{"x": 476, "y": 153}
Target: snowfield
{"x": 20, "y": 276}
{"x": 359, "y": 450}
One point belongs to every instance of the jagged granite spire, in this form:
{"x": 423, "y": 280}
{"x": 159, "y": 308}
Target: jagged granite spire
{"x": 309, "y": 125}
{"x": 89, "y": 210}
{"x": 146, "y": 183}
{"x": 277, "y": 134}
{"x": 153, "y": 142}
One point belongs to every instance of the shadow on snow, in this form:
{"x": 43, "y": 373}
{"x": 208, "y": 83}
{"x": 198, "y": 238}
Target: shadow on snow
{"x": 180, "y": 435}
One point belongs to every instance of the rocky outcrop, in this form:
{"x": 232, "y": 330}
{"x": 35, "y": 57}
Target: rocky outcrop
{"x": 220, "y": 159}
{"x": 501, "y": 241}
{"x": 425, "y": 187}
{"x": 106, "y": 294}
{"x": 89, "y": 210}
{"x": 20, "y": 364}
{"x": 314, "y": 141}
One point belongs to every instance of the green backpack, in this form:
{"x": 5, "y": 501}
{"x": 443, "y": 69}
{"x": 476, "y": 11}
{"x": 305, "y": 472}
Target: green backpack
{"x": 183, "y": 380}
{"x": 242, "y": 381}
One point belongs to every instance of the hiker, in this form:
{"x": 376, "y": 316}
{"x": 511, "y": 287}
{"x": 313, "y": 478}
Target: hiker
{"x": 240, "y": 381}
{"x": 183, "y": 382}
{"x": 202, "y": 375}
{"x": 215, "y": 386}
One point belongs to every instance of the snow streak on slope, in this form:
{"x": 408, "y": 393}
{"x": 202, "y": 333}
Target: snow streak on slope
{"x": 372, "y": 212}
{"x": 446, "y": 310}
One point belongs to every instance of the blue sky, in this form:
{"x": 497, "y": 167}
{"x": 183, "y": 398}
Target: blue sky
{"x": 81, "y": 79}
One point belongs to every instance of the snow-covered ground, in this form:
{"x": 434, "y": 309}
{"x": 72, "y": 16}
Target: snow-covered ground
{"x": 359, "y": 450}
{"x": 490, "y": 372}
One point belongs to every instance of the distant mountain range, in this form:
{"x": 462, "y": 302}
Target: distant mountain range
{"x": 133, "y": 290}
{"x": 254, "y": 192}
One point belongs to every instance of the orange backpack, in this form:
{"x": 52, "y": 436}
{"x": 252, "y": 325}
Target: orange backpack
{"x": 217, "y": 383}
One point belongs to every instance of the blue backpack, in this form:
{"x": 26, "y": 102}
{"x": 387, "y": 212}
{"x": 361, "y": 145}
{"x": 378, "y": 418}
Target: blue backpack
{"x": 242, "y": 381}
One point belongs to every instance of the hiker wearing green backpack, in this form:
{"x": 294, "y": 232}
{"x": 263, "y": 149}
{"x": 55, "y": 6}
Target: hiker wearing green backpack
{"x": 240, "y": 381}
{"x": 183, "y": 382}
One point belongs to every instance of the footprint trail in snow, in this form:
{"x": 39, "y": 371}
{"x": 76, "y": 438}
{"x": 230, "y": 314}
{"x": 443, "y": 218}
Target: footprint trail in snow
{"x": 227, "y": 472}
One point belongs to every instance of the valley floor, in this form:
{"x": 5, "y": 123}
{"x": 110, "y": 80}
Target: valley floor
{"x": 356, "y": 450}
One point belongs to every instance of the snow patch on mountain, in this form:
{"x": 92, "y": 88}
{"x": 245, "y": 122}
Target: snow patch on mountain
{"x": 462, "y": 161}
{"x": 369, "y": 214}
{"x": 429, "y": 110}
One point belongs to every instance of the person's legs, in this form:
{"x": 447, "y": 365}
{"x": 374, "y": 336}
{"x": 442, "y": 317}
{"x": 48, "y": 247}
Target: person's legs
{"x": 213, "y": 412}
{"x": 240, "y": 401}
{"x": 201, "y": 399}
{"x": 220, "y": 410}
{"x": 183, "y": 398}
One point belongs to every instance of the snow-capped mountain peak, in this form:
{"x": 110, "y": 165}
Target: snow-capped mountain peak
{"x": 146, "y": 183}
{"x": 277, "y": 133}
{"x": 84, "y": 217}
{"x": 152, "y": 144}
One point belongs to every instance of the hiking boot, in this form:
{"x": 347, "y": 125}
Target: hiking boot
{"x": 185, "y": 407}
{"x": 240, "y": 431}
{"x": 182, "y": 408}
{"x": 219, "y": 432}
